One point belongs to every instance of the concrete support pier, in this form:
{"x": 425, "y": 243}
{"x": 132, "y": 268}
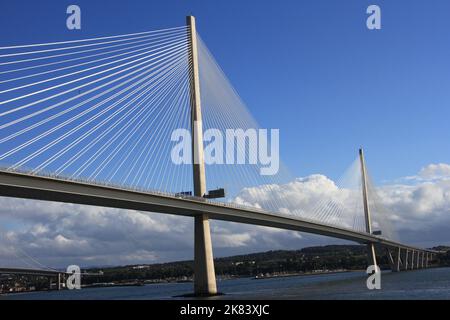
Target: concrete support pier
{"x": 418, "y": 260}
{"x": 204, "y": 274}
{"x": 398, "y": 260}
{"x": 59, "y": 281}
{"x": 405, "y": 260}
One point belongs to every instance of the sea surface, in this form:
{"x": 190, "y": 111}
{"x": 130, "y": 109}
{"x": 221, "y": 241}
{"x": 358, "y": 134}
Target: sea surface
{"x": 419, "y": 284}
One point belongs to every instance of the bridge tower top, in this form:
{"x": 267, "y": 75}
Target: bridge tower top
{"x": 365, "y": 193}
{"x": 370, "y": 246}
{"x": 196, "y": 113}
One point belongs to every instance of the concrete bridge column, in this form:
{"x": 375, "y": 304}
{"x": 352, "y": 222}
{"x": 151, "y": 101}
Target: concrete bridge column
{"x": 204, "y": 275}
{"x": 398, "y": 260}
{"x": 412, "y": 260}
{"x": 426, "y": 260}
{"x": 59, "y": 281}
{"x": 418, "y": 260}
{"x": 394, "y": 261}
{"x": 423, "y": 259}
{"x": 405, "y": 260}
{"x": 390, "y": 259}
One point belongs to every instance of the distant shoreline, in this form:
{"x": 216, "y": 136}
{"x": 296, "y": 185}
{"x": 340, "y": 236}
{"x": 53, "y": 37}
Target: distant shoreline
{"x": 319, "y": 260}
{"x": 137, "y": 284}
{"x": 300, "y": 274}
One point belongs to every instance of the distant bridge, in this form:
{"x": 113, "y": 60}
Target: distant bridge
{"x": 31, "y": 272}
{"x": 60, "y": 276}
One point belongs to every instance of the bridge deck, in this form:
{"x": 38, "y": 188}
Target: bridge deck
{"x": 34, "y": 272}
{"x": 23, "y": 185}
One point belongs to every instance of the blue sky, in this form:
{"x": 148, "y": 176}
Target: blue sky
{"x": 310, "y": 68}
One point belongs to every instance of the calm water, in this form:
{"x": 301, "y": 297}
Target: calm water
{"x": 420, "y": 284}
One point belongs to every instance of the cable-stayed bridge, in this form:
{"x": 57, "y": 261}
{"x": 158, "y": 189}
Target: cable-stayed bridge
{"x": 91, "y": 122}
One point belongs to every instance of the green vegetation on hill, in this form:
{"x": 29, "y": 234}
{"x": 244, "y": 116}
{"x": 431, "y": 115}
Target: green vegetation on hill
{"x": 311, "y": 259}
{"x": 444, "y": 258}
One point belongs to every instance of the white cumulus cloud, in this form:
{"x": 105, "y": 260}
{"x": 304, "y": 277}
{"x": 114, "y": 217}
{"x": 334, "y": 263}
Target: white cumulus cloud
{"x": 435, "y": 171}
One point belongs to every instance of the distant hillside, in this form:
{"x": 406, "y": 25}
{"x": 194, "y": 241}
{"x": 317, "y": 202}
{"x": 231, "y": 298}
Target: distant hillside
{"x": 441, "y": 248}
{"x": 311, "y": 259}
{"x": 443, "y": 259}
{"x": 332, "y": 258}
